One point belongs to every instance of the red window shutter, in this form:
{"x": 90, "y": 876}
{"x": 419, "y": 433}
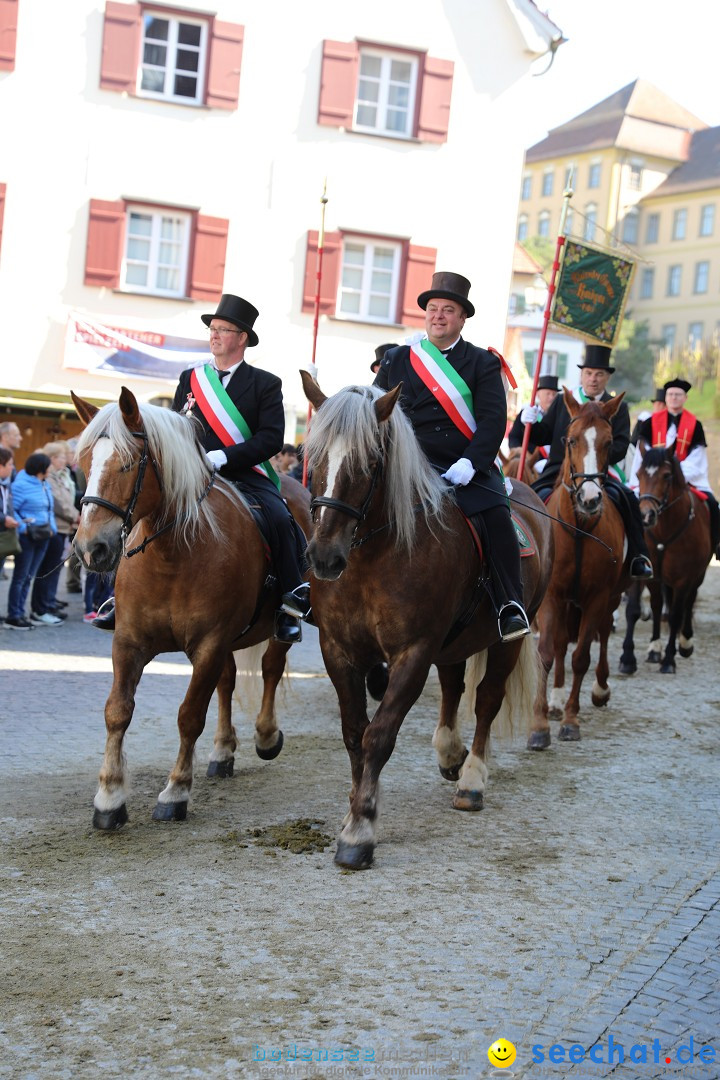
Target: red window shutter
{"x": 419, "y": 269}
{"x": 332, "y": 251}
{"x": 435, "y": 91}
{"x": 106, "y": 231}
{"x": 226, "y": 45}
{"x": 121, "y": 47}
{"x": 207, "y": 266}
{"x": 338, "y": 83}
{"x": 3, "y": 188}
{"x": 8, "y": 33}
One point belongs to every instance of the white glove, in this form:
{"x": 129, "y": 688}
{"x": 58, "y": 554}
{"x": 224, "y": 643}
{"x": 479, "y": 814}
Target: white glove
{"x": 530, "y": 414}
{"x": 460, "y": 473}
{"x": 218, "y": 458}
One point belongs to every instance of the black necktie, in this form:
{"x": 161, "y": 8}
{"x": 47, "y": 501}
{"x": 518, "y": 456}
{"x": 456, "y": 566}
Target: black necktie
{"x": 222, "y": 375}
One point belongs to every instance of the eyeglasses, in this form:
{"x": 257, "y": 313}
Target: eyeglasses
{"x": 222, "y": 330}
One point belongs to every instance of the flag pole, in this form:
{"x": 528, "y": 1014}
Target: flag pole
{"x": 316, "y": 320}
{"x": 567, "y": 196}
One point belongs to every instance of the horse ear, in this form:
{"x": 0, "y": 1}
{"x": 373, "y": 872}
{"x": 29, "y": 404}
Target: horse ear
{"x": 670, "y": 450}
{"x": 610, "y": 407}
{"x": 312, "y": 391}
{"x": 642, "y": 447}
{"x": 385, "y": 405}
{"x": 129, "y": 408}
{"x": 572, "y": 406}
{"x": 83, "y": 408}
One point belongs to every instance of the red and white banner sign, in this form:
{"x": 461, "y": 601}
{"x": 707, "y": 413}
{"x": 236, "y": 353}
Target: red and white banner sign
{"x": 108, "y": 348}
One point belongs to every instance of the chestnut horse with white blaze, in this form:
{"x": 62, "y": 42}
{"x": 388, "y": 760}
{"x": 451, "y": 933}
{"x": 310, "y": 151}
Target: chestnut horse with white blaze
{"x": 589, "y": 574}
{"x": 677, "y": 526}
{"x": 397, "y": 578}
{"x": 192, "y": 567}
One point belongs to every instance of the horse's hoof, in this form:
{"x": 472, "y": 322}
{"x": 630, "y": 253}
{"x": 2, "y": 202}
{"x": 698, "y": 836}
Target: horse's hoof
{"x": 653, "y": 657}
{"x": 539, "y": 740}
{"x": 221, "y": 769}
{"x": 569, "y": 733}
{"x": 599, "y": 701}
{"x": 685, "y": 652}
{"x": 627, "y": 667}
{"x": 170, "y": 811}
{"x": 554, "y": 713}
{"x": 468, "y": 800}
{"x": 377, "y": 680}
{"x": 107, "y": 820}
{"x": 354, "y": 856}
{"x": 270, "y": 752}
{"x": 453, "y": 773}
{"x": 667, "y": 667}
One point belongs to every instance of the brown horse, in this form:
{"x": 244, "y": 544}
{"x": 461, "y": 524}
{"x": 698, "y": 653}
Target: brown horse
{"x": 398, "y": 579}
{"x": 589, "y": 573}
{"x": 191, "y": 572}
{"x": 677, "y": 526}
{"x": 511, "y": 464}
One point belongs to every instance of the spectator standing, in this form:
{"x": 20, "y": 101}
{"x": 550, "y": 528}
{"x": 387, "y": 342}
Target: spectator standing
{"x": 8, "y": 521}
{"x": 33, "y": 509}
{"x": 44, "y": 594}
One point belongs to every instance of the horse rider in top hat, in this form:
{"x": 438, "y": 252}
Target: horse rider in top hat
{"x": 460, "y": 441}
{"x": 547, "y": 391}
{"x": 240, "y": 410}
{"x": 595, "y": 372}
{"x": 676, "y": 424}
{"x": 379, "y": 354}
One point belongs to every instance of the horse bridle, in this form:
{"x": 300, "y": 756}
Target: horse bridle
{"x": 662, "y": 504}
{"x": 599, "y": 477}
{"x": 127, "y": 513}
{"x": 345, "y": 508}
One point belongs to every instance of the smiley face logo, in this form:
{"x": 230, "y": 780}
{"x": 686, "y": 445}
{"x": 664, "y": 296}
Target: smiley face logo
{"x": 501, "y": 1054}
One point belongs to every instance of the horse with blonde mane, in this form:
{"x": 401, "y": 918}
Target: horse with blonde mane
{"x": 397, "y": 578}
{"x": 192, "y": 576}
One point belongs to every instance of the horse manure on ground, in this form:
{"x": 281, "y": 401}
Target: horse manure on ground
{"x": 299, "y": 837}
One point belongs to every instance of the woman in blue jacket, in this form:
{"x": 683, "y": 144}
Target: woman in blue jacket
{"x": 32, "y": 505}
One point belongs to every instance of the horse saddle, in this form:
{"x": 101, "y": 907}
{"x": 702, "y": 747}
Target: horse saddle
{"x": 527, "y": 547}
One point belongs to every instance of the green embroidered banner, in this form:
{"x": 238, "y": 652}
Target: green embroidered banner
{"x": 591, "y": 292}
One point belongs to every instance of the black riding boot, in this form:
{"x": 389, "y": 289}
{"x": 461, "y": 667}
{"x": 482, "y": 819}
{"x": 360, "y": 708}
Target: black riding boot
{"x": 505, "y": 583}
{"x": 629, "y": 508}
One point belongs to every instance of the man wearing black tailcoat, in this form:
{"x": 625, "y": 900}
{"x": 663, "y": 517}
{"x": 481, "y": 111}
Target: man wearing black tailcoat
{"x": 462, "y": 440}
{"x": 257, "y": 395}
{"x": 595, "y": 372}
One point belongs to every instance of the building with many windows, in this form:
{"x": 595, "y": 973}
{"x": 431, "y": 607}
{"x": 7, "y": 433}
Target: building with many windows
{"x": 645, "y": 173}
{"x": 155, "y": 156}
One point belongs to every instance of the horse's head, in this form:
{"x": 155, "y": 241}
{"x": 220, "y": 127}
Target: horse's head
{"x": 659, "y": 471}
{"x": 587, "y": 449}
{"x": 345, "y": 455}
{"x": 113, "y": 453}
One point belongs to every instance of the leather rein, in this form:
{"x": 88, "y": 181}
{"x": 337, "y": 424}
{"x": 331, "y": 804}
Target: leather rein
{"x": 353, "y": 511}
{"x": 126, "y": 514}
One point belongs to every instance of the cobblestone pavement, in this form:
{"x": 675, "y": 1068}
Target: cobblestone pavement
{"x": 577, "y": 916}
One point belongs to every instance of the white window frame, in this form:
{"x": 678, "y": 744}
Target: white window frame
{"x": 369, "y": 243}
{"x": 157, "y": 213}
{"x": 668, "y": 333}
{"x": 701, "y": 282}
{"x": 647, "y": 283}
{"x": 652, "y": 229}
{"x": 544, "y": 223}
{"x": 679, "y": 228}
{"x": 590, "y": 223}
{"x": 631, "y": 226}
{"x": 635, "y": 175}
{"x": 594, "y": 174}
{"x": 526, "y": 192}
{"x": 386, "y": 57}
{"x": 707, "y": 220}
{"x": 523, "y": 227}
{"x": 674, "y": 280}
{"x": 696, "y": 333}
{"x": 171, "y": 69}
{"x": 548, "y": 183}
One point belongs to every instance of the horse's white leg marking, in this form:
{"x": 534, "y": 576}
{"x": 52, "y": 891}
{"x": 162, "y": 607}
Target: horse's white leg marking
{"x": 357, "y": 831}
{"x": 473, "y": 775}
{"x": 335, "y": 460}
{"x": 448, "y": 746}
{"x": 685, "y": 642}
{"x": 558, "y": 696}
{"x": 655, "y": 646}
{"x": 174, "y": 793}
{"x": 111, "y": 798}
{"x": 599, "y": 693}
{"x": 589, "y": 488}
{"x": 101, "y": 452}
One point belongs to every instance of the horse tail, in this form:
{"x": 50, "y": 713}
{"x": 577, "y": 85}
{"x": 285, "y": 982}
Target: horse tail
{"x": 520, "y": 689}
{"x": 248, "y": 683}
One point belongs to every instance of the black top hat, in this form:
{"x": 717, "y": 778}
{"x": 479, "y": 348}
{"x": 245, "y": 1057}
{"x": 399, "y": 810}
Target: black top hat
{"x": 677, "y": 384}
{"x": 548, "y": 382}
{"x": 660, "y": 394}
{"x": 380, "y": 353}
{"x": 597, "y": 356}
{"x": 448, "y": 286}
{"x": 238, "y": 311}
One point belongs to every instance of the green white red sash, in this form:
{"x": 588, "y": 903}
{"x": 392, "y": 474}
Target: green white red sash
{"x": 447, "y": 387}
{"x": 685, "y": 431}
{"x": 223, "y": 415}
